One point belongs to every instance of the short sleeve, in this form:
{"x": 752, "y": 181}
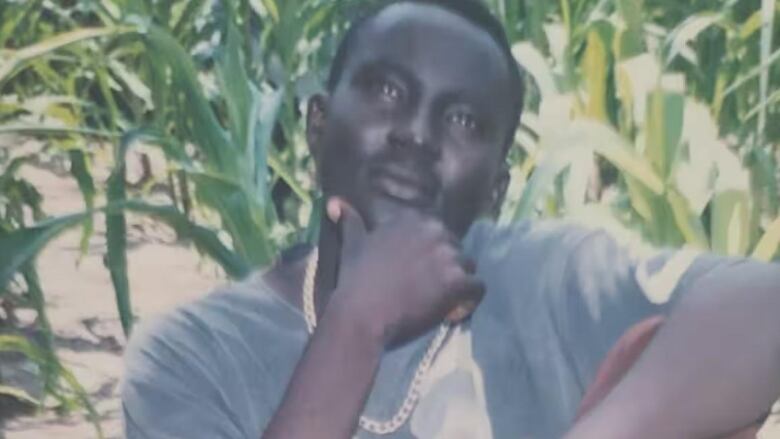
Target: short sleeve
{"x": 608, "y": 287}
{"x": 181, "y": 381}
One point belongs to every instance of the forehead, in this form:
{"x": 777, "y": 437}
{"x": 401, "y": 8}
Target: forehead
{"x": 434, "y": 45}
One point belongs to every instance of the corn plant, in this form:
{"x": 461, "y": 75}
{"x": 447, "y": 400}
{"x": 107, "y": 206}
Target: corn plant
{"x": 656, "y": 116}
{"x": 611, "y": 85}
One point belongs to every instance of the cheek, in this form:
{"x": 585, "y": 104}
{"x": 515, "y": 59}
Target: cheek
{"x": 353, "y": 131}
{"x": 467, "y": 181}
{"x": 351, "y": 140}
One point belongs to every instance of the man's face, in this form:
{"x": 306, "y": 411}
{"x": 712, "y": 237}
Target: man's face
{"x": 418, "y": 119}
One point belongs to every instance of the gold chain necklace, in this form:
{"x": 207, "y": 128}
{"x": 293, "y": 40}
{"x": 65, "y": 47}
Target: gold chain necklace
{"x": 413, "y": 394}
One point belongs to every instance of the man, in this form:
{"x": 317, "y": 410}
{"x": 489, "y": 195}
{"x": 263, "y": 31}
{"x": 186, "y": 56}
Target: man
{"x": 426, "y": 324}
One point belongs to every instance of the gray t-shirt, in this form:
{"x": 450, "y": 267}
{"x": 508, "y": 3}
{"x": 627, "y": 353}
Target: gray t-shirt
{"x": 558, "y": 297}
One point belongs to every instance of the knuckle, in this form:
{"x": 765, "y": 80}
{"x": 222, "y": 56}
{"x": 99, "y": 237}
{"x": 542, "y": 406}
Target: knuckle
{"x": 434, "y": 227}
{"x": 452, "y": 276}
{"x": 444, "y": 253}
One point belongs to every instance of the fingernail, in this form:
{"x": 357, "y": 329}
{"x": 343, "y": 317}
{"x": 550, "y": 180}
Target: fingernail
{"x": 334, "y": 210}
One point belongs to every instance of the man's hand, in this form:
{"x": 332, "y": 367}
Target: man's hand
{"x": 403, "y": 278}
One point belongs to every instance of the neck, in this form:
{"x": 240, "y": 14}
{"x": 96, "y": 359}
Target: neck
{"x": 326, "y": 278}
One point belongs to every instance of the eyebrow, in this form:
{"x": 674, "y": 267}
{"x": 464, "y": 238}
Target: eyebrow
{"x": 394, "y": 68}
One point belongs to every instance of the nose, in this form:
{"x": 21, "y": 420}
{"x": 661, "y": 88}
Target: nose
{"x": 414, "y": 131}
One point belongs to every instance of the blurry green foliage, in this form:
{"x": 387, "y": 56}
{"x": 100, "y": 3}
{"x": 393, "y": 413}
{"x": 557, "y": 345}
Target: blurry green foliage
{"x": 659, "y": 117}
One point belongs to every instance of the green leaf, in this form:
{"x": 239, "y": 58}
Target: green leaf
{"x": 688, "y": 31}
{"x": 15, "y": 343}
{"x": 731, "y": 211}
{"x": 608, "y": 143}
{"x": 116, "y": 236}
{"x": 754, "y": 23}
{"x": 203, "y": 127}
{"x": 54, "y": 130}
{"x": 663, "y": 130}
{"x": 629, "y": 40}
{"x": 541, "y": 182}
{"x": 79, "y": 168}
{"x": 688, "y": 222}
{"x": 767, "y": 32}
{"x": 13, "y": 167}
{"x": 186, "y": 20}
{"x": 535, "y": 64}
{"x": 48, "y": 360}
{"x": 242, "y": 217}
{"x": 14, "y": 60}
{"x": 21, "y": 246}
{"x": 15, "y": 17}
{"x": 764, "y": 182}
{"x": 595, "y": 69}
{"x": 753, "y": 73}
{"x": 312, "y": 231}
{"x": 769, "y": 244}
{"x": 19, "y": 395}
{"x": 237, "y": 90}
{"x": 131, "y": 82}
{"x": 272, "y": 8}
{"x": 204, "y": 239}
{"x": 268, "y": 106}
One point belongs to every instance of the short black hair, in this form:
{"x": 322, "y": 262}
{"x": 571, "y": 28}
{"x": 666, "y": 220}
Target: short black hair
{"x": 475, "y": 12}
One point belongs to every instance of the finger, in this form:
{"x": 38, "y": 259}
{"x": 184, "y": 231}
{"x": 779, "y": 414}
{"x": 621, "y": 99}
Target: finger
{"x": 352, "y": 228}
{"x": 333, "y": 209}
{"x": 461, "y": 312}
{"x": 470, "y": 293}
{"x": 468, "y": 264}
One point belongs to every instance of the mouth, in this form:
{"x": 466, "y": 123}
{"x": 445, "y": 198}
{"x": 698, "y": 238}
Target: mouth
{"x": 405, "y": 187}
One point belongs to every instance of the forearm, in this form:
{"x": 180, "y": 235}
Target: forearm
{"x": 713, "y": 367}
{"x": 331, "y": 382}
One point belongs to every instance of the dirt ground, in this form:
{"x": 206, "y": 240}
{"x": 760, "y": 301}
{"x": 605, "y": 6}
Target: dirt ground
{"x": 83, "y": 313}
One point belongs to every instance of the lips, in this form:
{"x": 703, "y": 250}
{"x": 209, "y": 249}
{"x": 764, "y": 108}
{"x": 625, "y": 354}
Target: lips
{"x": 405, "y": 186}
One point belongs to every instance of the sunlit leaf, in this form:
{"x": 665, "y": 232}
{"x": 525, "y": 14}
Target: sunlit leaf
{"x": 730, "y": 232}
{"x": 687, "y": 31}
{"x": 664, "y": 129}
{"x": 15, "y": 59}
{"x": 595, "y": 67}
{"x": 769, "y": 245}
{"x": 534, "y": 63}
{"x": 272, "y": 8}
{"x": 19, "y": 395}
{"x": 754, "y": 72}
{"x": 687, "y": 221}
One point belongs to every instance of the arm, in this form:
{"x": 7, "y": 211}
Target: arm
{"x": 394, "y": 284}
{"x": 712, "y": 368}
{"x": 331, "y": 382}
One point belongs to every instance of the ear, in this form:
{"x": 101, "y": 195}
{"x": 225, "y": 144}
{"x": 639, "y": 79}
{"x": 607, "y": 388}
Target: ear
{"x": 315, "y": 124}
{"x": 497, "y": 195}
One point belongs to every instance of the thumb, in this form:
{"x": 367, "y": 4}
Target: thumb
{"x": 352, "y": 228}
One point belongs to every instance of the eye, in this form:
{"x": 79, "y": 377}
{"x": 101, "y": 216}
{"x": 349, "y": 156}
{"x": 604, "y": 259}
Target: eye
{"x": 387, "y": 90}
{"x": 463, "y": 119}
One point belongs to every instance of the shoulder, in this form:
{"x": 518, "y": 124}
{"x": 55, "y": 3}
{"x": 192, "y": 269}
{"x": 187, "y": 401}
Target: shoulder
{"x": 529, "y": 243}
{"x": 524, "y": 268}
{"x": 217, "y": 361}
{"x": 224, "y": 329}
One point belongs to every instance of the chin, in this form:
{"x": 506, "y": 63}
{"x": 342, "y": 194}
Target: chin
{"x": 387, "y": 209}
